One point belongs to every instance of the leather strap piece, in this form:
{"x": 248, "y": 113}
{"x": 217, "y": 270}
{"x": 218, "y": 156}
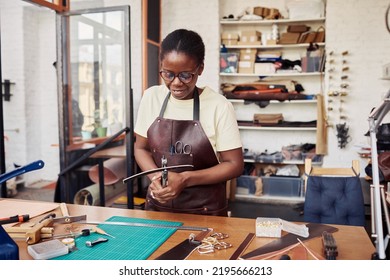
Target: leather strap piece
{"x": 242, "y": 246}
{"x": 179, "y": 252}
{"x": 182, "y": 250}
{"x": 289, "y": 239}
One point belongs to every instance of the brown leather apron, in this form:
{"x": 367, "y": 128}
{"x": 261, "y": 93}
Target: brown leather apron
{"x": 162, "y": 136}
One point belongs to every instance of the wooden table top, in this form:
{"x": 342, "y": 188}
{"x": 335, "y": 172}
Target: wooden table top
{"x": 114, "y": 152}
{"x": 353, "y": 242}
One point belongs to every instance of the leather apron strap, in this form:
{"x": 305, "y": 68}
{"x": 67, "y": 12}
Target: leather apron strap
{"x": 195, "y": 109}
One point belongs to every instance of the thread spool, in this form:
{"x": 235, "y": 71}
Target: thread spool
{"x": 69, "y": 242}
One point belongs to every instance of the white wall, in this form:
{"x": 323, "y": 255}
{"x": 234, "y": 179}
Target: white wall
{"x": 27, "y": 56}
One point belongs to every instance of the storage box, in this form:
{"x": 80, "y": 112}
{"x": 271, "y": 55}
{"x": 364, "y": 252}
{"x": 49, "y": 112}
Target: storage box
{"x": 310, "y": 64}
{"x": 265, "y": 68}
{"x": 247, "y": 184}
{"x": 251, "y": 37}
{"x": 289, "y": 38}
{"x": 229, "y": 38}
{"x": 228, "y": 62}
{"x": 283, "y": 186}
{"x": 248, "y": 55}
{"x": 262, "y": 11}
{"x": 273, "y": 227}
{"x": 246, "y": 66}
{"x": 268, "y": 227}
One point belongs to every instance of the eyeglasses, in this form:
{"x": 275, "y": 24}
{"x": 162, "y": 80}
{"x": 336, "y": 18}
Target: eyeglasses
{"x": 184, "y": 77}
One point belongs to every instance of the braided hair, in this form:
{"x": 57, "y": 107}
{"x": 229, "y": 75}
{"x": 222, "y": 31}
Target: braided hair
{"x": 184, "y": 41}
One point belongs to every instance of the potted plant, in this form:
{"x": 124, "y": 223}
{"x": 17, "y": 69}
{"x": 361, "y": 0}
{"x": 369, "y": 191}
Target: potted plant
{"x": 99, "y": 125}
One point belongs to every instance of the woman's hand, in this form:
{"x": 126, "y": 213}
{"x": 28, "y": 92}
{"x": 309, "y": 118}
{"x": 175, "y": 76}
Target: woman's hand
{"x": 174, "y": 187}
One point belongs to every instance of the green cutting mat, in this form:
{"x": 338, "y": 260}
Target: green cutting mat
{"x": 130, "y": 242}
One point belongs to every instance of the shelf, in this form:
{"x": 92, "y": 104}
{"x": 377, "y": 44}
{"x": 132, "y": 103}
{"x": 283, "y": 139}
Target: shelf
{"x": 290, "y": 74}
{"x": 269, "y": 199}
{"x": 271, "y": 46}
{"x": 277, "y": 128}
{"x": 270, "y": 22}
{"x": 302, "y": 101}
{"x": 285, "y": 162}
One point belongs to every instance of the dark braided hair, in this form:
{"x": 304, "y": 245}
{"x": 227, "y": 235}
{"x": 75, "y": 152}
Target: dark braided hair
{"x": 184, "y": 41}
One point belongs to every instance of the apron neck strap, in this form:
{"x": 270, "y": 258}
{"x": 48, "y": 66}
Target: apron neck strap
{"x": 195, "y": 108}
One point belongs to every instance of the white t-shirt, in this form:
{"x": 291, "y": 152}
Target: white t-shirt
{"x": 217, "y": 115}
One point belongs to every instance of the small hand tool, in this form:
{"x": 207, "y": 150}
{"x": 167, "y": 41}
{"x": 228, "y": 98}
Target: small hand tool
{"x": 14, "y": 219}
{"x": 164, "y": 173}
{"x": 84, "y": 232}
{"x": 100, "y": 231}
{"x": 66, "y": 219}
{"x": 53, "y": 215}
{"x": 95, "y": 242}
{"x": 132, "y": 177}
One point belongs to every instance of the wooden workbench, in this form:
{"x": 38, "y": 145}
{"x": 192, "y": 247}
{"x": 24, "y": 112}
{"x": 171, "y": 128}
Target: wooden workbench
{"x": 353, "y": 242}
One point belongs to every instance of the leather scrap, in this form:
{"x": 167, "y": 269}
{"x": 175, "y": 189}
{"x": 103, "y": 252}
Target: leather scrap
{"x": 289, "y": 239}
{"x": 242, "y": 246}
{"x": 182, "y": 250}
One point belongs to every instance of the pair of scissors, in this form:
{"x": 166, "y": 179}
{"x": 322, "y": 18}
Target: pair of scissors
{"x": 181, "y": 148}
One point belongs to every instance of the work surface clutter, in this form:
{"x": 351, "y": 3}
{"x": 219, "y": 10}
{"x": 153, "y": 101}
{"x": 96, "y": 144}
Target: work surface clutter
{"x": 76, "y": 232}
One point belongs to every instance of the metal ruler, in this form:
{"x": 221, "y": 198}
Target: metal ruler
{"x": 135, "y": 224}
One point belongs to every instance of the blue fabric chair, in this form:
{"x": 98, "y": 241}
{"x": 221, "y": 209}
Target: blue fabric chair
{"x": 334, "y": 200}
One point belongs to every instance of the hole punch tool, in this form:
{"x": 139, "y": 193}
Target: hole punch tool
{"x": 164, "y": 173}
{"x": 163, "y": 168}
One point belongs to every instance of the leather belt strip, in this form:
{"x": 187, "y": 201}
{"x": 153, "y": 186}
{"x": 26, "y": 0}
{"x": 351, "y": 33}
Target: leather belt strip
{"x": 315, "y": 230}
{"x": 156, "y": 170}
{"x": 182, "y": 250}
{"x": 242, "y": 246}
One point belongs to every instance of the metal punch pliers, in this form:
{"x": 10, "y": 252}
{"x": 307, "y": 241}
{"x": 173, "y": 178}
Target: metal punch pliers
{"x": 164, "y": 173}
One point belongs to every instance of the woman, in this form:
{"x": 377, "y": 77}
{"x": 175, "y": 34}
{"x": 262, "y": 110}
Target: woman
{"x": 184, "y": 124}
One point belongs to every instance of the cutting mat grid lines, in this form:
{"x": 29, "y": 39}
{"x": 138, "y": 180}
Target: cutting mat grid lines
{"x": 130, "y": 242}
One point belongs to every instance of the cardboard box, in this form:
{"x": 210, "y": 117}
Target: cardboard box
{"x": 248, "y": 54}
{"x": 262, "y": 11}
{"x": 255, "y": 43}
{"x": 229, "y": 38}
{"x": 228, "y": 42}
{"x": 271, "y": 42}
{"x": 246, "y": 66}
{"x": 265, "y": 68}
{"x": 289, "y": 38}
{"x": 250, "y": 38}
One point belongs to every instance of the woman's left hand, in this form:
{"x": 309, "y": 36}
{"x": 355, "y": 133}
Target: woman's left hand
{"x": 174, "y": 187}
